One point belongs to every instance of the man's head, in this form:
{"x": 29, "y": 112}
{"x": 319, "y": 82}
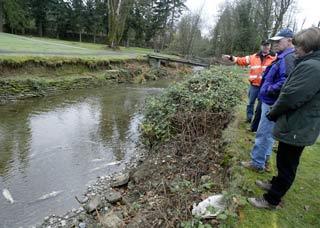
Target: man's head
{"x": 282, "y": 40}
{"x": 265, "y": 46}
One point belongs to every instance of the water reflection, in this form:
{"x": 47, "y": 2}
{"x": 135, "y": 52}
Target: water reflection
{"x": 14, "y": 140}
{"x": 60, "y": 144}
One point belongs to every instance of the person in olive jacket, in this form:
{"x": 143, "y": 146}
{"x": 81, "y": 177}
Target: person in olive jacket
{"x": 297, "y": 117}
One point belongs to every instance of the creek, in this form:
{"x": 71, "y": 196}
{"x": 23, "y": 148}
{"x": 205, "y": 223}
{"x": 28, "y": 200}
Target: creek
{"x": 52, "y": 148}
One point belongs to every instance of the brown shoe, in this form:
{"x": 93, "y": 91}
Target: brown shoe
{"x": 267, "y": 167}
{"x": 249, "y": 165}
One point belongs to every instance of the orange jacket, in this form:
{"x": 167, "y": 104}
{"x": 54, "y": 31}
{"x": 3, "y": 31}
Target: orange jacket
{"x": 256, "y": 66}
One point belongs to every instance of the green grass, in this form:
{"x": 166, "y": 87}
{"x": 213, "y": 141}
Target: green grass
{"x": 92, "y": 46}
{"x": 38, "y": 46}
{"x": 15, "y": 47}
{"x": 302, "y": 201}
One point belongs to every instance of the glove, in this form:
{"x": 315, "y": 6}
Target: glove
{"x": 270, "y": 117}
{"x": 273, "y": 93}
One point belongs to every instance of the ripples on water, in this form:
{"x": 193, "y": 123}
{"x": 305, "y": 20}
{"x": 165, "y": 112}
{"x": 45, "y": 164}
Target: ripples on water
{"x": 50, "y": 148}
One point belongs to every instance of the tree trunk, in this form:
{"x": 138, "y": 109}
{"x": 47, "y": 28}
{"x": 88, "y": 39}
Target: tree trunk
{"x": 265, "y": 10}
{"x": 40, "y": 29}
{"x": 280, "y": 9}
{"x": 80, "y": 36}
{"x": 195, "y": 24}
{"x": 117, "y": 14}
{"x": 1, "y": 16}
{"x": 172, "y": 22}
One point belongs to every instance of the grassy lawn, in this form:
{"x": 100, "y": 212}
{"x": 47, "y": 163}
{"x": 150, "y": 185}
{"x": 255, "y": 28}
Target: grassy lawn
{"x": 13, "y": 46}
{"x": 301, "y": 203}
{"x": 14, "y": 43}
{"x": 92, "y": 46}
{"x": 9, "y": 42}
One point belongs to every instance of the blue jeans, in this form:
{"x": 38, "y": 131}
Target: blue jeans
{"x": 252, "y": 95}
{"x": 255, "y": 122}
{"x": 262, "y": 148}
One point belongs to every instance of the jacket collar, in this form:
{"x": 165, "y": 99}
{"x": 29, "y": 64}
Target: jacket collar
{"x": 269, "y": 55}
{"x": 285, "y": 53}
{"x": 315, "y": 54}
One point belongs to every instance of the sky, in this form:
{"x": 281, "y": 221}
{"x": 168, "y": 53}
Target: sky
{"x": 306, "y": 9}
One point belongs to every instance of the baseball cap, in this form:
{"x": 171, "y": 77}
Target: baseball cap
{"x": 284, "y": 33}
{"x": 265, "y": 42}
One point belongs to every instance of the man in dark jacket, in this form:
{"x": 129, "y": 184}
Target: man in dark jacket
{"x": 272, "y": 81}
{"x": 297, "y": 116}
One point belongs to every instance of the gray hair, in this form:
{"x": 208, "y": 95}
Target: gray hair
{"x": 308, "y": 39}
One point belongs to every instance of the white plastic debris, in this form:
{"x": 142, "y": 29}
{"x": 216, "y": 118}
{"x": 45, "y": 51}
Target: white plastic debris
{"x": 7, "y": 195}
{"x": 210, "y": 207}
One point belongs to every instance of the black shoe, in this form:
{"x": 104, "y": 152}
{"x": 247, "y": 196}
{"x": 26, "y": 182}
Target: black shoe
{"x": 261, "y": 203}
{"x": 264, "y": 185}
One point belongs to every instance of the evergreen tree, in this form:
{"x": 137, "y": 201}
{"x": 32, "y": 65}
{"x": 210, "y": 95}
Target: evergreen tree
{"x": 78, "y": 17}
{"x": 59, "y": 17}
{"x": 16, "y": 14}
{"x": 38, "y": 10}
{"x": 176, "y": 9}
{"x": 247, "y": 39}
{"x": 102, "y": 16}
{"x": 90, "y": 24}
{"x": 1, "y": 16}
{"x": 95, "y": 14}
{"x": 152, "y": 20}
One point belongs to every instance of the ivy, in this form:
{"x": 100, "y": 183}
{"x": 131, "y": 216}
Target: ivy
{"x": 214, "y": 91}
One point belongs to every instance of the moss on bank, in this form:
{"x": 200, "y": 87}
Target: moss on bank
{"x": 12, "y": 64}
{"x": 32, "y": 77}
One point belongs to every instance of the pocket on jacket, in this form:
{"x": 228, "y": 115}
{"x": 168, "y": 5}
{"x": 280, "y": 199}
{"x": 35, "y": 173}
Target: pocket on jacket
{"x": 282, "y": 124}
{"x": 295, "y": 120}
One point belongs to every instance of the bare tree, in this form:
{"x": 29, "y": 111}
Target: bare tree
{"x": 303, "y": 22}
{"x": 195, "y": 24}
{"x": 188, "y": 34}
{"x": 118, "y": 11}
{"x": 223, "y": 34}
{"x": 264, "y": 13}
{"x": 280, "y": 9}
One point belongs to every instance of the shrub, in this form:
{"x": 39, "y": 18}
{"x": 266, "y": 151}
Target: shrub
{"x": 189, "y": 109}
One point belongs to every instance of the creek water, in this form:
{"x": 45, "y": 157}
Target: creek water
{"x": 60, "y": 144}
